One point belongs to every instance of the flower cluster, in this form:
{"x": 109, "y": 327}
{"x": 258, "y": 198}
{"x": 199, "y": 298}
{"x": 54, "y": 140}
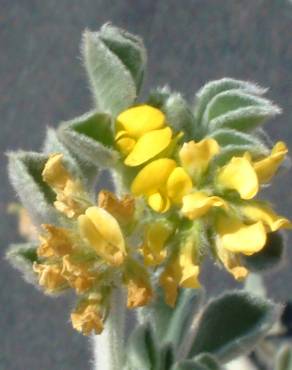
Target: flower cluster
{"x": 181, "y": 204}
{"x": 89, "y": 254}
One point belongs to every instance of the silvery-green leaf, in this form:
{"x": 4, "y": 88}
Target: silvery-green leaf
{"x": 79, "y": 168}
{"x": 195, "y": 365}
{"x": 90, "y": 137}
{"x": 238, "y": 110}
{"x": 213, "y": 88}
{"x": 208, "y": 360}
{"x": 158, "y": 96}
{"x": 142, "y": 352}
{"x": 25, "y": 169}
{"x": 227, "y": 136}
{"x": 270, "y": 256}
{"x": 284, "y": 358}
{"x": 22, "y": 257}
{"x": 129, "y": 48}
{"x": 112, "y": 83}
{"x": 183, "y": 315}
{"x": 239, "y": 320}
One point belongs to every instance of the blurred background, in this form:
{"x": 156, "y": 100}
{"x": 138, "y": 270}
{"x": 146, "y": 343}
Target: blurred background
{"x": 42, "y": 82}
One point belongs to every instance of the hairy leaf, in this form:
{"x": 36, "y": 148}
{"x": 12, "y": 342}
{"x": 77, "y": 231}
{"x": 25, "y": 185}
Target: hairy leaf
{"x": 239, "y": 320}
{"x": 25, "y": 173}
{"x": 284, "y": 358}
{"x": 112, "y": 83}
{"x": 91, "y": 138}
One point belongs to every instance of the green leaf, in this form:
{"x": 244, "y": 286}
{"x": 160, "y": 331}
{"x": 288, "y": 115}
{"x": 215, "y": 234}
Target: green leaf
{"x": 226, "y": 137}
{"x": 143, "y": 352}
{"x": 22, "y": 257}
{"x": 238, "y": 110}
{"x": 213, "y": 88}
{"x": 232, "y": 324}
{"x": 270, "y": 256}
{"x": 284, "y": 358}
{"x": 25, "y": 173}
{"x": 85, "y": 172}
{"x": 230, "y": 151}
{"x": 183, "y": 315}
{"x": 112, "y": 83}
{"x": 129, "y": 48}
{"x": 90, "y": 137}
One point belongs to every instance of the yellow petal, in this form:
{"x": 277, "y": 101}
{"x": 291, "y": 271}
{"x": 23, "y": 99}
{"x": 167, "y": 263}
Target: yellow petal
{"x": 154, "y": 243}
{"x": 231, "y": 262}
{"x": 238, "y": 174}
{"x": 54, "y": 173}
{"x": 237, "y": 237}
{"x": 153, "y": 177}
{"x": 189, "y": 270}
{"x": 50, "y": 277}
{"x": 197, "y": 156}
{"x": 55, "y": 243}
{"x": 168, "y": 282}
{"x": 141, "y": 119}
{"x": 158, "y": 202}
{"x": 257, "y": 212}
{"x": 122, "y": 209}
{"x": 103, "y": 233}
{"x": 267, "y": 167}
{"x": 179, "y": 184}
{"x": 198, "y": 204}
{"x": 87, "y": 319}
{"x": 148, "y": 146}
{"x": 125, "y": 145}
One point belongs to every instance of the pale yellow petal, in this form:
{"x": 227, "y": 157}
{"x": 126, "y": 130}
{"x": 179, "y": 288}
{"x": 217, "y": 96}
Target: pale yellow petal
{"x": 267, "y": 167}
{"x": 153, "y": 177}
{"x": 107, "y": 226}
{"x": 54, "y": 173}
{"x": 197, "y": 156}
{"x": 239, "y": 175}
{"x": 141, "y": 119}
{"x": 178, "y": 184}
{"x": 231, "y": 262}
{"x": 158, "y": 202}
{"x": 198, "y": 204}
{"x": 148, "y": 146}
{"x": 238, "y": 237}
{"x": 273, "y": 221}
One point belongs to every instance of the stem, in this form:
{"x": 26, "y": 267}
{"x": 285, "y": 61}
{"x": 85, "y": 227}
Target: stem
{"x": 108, "y": 347}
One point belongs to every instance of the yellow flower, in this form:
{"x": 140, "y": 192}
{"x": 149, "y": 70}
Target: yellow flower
{"x": 77, "y": 274}
{"x": 141, "y": 134}
{"x": 195, "y": 157}
{"x": 153, "y": 247}
{"x": 267, "y": 167}
{"x": 87, "y": 318}
{"x": 71, "y": 199}
{"x": 158, "y": 182}
{"x": 138, "y": 284}
{"x": 258, "y": 212}
{"x": 232, "y": 263}
{"x": 122, "y": 209}
{"x": 182, "y": 270}
{"x": 103, "y": 233}
{"x": 237, "y": 237}
{"x": 50, "y": 277}
{"x": 56, "y": 242}
{"x": 238, "y": 174}
{"x": 198, "y": 204}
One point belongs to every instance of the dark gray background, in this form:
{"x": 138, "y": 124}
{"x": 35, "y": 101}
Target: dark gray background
{"x": 42, "y": 82}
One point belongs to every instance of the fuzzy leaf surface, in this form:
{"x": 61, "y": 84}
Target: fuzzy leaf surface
{"x": 232, "y": 324}
{"x": 284, "y": 358}
{"x": 22, "y": 256}
{"x": 111, "y": 81}
{"x": 25, "y": 173}
{"x": 90, "y": 137}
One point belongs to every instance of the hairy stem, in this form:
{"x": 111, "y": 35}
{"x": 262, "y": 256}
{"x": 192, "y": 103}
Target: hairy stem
{"x": 108, "y": 347}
